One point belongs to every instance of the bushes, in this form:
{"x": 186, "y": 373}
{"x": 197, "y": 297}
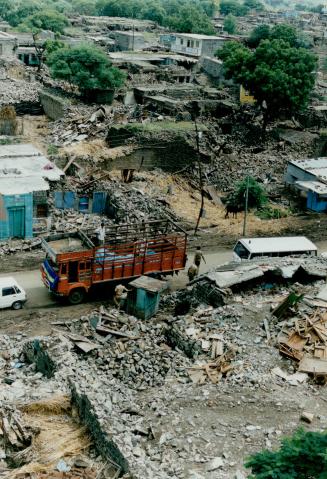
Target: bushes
{"x": 301, "y": 456}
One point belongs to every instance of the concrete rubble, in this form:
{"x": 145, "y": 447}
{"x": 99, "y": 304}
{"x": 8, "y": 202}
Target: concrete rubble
{"x": 136, "y": 376}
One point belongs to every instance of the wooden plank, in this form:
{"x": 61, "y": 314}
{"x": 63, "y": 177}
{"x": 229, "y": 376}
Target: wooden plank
{"x": 313, "y": 365}
{"x": 114, "y": 332}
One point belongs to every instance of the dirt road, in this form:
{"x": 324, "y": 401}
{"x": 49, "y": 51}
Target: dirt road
{"x": 39, "y": 296}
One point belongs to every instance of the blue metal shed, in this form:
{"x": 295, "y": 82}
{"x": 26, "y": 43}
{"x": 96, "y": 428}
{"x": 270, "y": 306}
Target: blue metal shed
{"x": 143, "y": 299}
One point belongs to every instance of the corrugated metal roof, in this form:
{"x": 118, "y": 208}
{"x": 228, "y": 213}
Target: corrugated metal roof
{"x": 279, "y": 244}
{"x": 149, "y": 284}
{"x": 316, "y": 186}
{"x": 311, "y": 163}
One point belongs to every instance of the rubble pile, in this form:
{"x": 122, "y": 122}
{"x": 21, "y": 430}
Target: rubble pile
{"x": 125, "y": 204}
{"x": 19, "y": 246}
{"x": 86, "y": 123}
{"x": 304, "y": 339}
{"x": 18, "y": 91}
{"x": 238, "y": 151}
{"x": 133, "y": 351}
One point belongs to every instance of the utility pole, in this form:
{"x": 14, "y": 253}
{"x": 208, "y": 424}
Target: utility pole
{"x": 200, "y": 177}
{"x": 246, "y": 205}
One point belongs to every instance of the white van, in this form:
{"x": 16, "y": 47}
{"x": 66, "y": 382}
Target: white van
{"x": 250, "y": 248}
{"x": 11, "y": 294}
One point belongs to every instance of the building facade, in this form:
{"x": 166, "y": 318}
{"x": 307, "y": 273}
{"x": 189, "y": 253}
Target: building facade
{"x": 8, "y": 45}
{"x": 309, "y": 178}
{"x": 24, "y": 182}
{"x": 196, "y": 45}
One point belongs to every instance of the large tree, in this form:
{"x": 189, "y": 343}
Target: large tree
{"x": 46, "y": 20}
{"x": 230, "y": 24}
{"x": 280, "y": 77}
{"x": 233, "y": 7}
{"x": 85, "y": 66}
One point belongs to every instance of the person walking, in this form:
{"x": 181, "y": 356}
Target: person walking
{"x": 198, "y": 256}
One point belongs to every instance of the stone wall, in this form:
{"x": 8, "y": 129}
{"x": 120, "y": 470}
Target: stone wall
{"x": 103, "y": 443}
{"x": 54, "y": 106}
{"x": 176, "y": 339}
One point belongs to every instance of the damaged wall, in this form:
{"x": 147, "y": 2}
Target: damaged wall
{"x": 105, "y": 446}
{"x": 168, "y": 150}
{"x": 54, "y": 106}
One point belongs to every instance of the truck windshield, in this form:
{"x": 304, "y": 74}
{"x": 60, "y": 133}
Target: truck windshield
{"x": 53, "y": 265}
{"x": 241, "y": 251}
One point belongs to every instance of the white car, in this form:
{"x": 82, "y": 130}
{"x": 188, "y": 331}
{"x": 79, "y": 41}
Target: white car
{"x": 11, "y": 294}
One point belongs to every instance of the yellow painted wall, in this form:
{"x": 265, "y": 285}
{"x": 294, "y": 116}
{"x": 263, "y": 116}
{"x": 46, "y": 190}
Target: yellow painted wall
{"x": 245, "y": 97}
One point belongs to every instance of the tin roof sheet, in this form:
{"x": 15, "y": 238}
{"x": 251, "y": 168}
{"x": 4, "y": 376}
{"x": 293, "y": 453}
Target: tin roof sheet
{"x": 149, "y": 284}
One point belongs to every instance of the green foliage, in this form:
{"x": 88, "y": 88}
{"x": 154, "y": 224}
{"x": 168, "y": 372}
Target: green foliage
{"x": 46, "y": 20}
{"x": 233, "y": 7}
{"x": 268, "y": 212}
{"x": 254, "y": 5}
{"x": 262, "y": 32}
{"x": 230, "y": 25}
{"x": 256, "y": 196}
{"x": 318, "y": 8}
{"x": 279, "y": 32}
{"x": 190, "y": 20}
{"x": 84, "y": 7}
{"x": 52, "y": 149}
{"x": 280, "y": 77}
{"x": 301, "y": 456}
{"x": 86, "y": 67}
{"x": 19, "y": 10}
{"x": 53, "y": 45}
{"x": 182, "y": 15}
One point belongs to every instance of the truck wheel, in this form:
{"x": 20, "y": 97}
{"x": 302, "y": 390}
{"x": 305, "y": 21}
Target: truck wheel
{"x": 76, "y": 296}
{"x": 17, "y": 305}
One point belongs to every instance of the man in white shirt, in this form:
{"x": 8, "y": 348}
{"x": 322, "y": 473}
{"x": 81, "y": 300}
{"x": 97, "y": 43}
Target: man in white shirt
{"x": 101, "y": 234}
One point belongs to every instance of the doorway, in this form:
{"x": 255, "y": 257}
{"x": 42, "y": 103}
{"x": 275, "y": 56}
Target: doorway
{"x": 16, "y": 222}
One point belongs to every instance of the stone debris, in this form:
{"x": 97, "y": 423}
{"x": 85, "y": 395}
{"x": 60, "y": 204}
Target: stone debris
{"x": 131, "y": 355}
{"x": 19, "y": 246}
{"x": 307, "y": 417}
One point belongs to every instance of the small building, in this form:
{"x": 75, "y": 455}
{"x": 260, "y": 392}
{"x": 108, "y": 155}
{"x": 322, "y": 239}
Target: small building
{"x": 143, "y": 299}
{"x": 27, "y": 55}
{"x": 24, "y": 181}
{"x": 309, "y": 177}
{"x": 8, "y": 45}
{"x": 129, "y": 40}
{"x": 196, "y": 45}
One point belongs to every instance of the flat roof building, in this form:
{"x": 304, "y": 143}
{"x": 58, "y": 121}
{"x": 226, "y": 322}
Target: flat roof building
{"x": 196, "y": 45}
{"x": 24, "y": 180}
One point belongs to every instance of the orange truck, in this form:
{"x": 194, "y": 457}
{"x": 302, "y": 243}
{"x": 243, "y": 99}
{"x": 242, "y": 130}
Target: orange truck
{"x": 74, "y": 264}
